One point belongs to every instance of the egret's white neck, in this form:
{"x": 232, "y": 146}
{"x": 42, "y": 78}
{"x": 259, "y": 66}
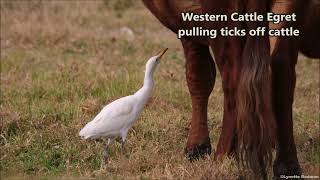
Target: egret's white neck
{"x": 148, "y": 83}
{"x": 148, "y": 78}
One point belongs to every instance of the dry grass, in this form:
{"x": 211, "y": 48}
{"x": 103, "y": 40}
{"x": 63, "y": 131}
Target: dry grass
{"x": 61, "y": 61}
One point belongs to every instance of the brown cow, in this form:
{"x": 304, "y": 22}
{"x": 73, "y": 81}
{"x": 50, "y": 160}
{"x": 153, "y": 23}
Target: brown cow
{"x": 258, "y": 78}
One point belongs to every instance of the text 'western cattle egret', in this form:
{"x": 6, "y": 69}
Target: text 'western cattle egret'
{"x": 117, "y": 118}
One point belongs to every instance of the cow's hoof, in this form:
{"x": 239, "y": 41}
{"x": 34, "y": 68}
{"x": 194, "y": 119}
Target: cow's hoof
{"x": 287, "y": 169}
{"x": 198, "y": 151}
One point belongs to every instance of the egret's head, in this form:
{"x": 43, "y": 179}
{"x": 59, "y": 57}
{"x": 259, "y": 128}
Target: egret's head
{"x": 154, "y": 61}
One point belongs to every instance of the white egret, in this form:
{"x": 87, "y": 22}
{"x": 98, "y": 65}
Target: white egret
{"x": 116, "y": 118}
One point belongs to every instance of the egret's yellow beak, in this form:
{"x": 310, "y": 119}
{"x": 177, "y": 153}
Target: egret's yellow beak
{"x": 162, "y": 53}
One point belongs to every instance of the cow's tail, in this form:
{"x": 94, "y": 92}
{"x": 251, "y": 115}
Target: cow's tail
{"x": 255, "y": 119}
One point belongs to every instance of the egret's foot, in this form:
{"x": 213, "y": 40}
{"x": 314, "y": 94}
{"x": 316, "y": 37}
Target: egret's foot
{"x": 198, "y": 151}
{"x": 286, "y": 168}
{"x": 122, "y": 156}
{"x": 105, "y": 160}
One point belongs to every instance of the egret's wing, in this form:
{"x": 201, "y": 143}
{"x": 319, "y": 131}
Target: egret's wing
{"x": 111, "y": 119}
{"x": 119, "y": 107}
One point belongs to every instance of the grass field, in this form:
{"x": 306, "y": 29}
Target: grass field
{"x": 61, "y": 61}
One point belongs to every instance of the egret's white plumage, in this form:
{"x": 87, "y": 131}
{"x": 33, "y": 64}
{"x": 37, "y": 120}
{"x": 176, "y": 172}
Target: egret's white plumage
{"x": 113, "y": 120}
{"x": 117, "y": 118}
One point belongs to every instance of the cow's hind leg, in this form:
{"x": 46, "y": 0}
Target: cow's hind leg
{"x": 200, "y": 72}
{"x": 284, "y": 77}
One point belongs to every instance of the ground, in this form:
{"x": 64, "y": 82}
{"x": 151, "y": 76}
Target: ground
{"x": 62, "y": 61}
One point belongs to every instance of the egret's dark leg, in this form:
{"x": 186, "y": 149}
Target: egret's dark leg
{"x": 122, "y": 149}
{"x": 105, "y": 151}
{"x": 123, "y": 138}
{"x": 105, "y": 154}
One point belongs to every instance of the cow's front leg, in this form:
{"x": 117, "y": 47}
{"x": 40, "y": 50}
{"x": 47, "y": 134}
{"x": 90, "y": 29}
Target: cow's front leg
{"x": 200, "y": 72}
